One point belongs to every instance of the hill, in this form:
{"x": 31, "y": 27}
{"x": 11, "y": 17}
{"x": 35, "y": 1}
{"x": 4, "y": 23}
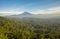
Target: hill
{"x": 33, "y": 29}
{"x": 30, "y": 15}
{"x": 26, "y": 13}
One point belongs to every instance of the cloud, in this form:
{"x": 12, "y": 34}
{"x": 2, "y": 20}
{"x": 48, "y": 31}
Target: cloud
{"x": 11, "y": 11}
{"x": 53, "y": 10}
{"x": 19, "y": 10}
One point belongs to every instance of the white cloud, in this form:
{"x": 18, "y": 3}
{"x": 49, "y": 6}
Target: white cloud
{"x": 11, "y": 11}
{"x": 18, "y": 10}
{"x": 48, "y": 11}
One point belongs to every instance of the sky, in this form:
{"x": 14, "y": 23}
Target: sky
{"x": 10, "y": 7}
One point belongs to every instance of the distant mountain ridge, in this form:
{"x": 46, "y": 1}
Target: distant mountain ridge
{"x": 30, "y": 15}
{"x": 25, "y": 13}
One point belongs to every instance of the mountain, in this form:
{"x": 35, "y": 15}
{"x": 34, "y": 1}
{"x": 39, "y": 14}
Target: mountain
{"x": 30, "y": 15}
{"x": 22, "y": 14}
{"x": 25, "y": 13}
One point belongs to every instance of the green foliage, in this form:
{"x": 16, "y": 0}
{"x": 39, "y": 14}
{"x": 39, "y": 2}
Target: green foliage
{"x": 2, "y": 36}
{"x": 12, "y": 29}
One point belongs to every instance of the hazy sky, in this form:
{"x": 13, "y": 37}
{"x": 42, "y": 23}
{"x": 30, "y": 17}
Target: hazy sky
{"x": 8, "y": 7}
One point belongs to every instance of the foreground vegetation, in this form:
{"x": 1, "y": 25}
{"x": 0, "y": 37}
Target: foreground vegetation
{"x": 12, "y": 29}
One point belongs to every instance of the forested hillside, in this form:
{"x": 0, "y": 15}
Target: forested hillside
{"x": 13, "y": 29}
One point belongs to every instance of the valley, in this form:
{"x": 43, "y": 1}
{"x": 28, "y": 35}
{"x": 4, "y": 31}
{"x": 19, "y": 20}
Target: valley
{"x": 18, "y": 27}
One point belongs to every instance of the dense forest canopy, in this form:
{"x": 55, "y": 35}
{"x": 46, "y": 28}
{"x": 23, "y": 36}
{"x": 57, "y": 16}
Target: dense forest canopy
{"x": 13, "y": 29}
